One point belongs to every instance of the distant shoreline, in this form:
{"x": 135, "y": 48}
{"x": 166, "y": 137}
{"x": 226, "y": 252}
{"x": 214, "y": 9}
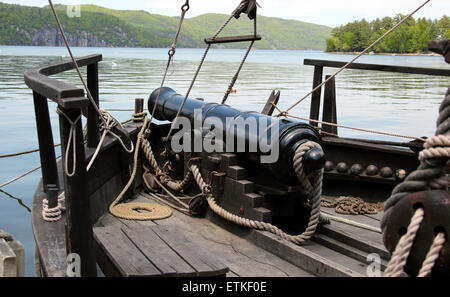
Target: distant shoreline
{"x": 385, "y": 54}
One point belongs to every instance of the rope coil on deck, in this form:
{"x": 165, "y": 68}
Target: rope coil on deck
{"x": 315, "y": 191}
{"x": 353, "y": 206}
{"x": 129, "y": 211}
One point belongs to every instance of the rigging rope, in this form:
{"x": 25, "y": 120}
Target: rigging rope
{"x": 108, "y": 122}
{"x": 235, "y": 13}
{"x": 23, "y": 153}
{"x": 235, "y": 77}
{"x": 345, "y": 127}
{"x": 172, "y": 50}
{"x": 61, "y": 30}
{"x": 354, "y": 128}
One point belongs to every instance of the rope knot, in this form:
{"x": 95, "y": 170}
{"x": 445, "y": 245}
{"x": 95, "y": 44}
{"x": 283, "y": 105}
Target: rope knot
{"x": 51, "y": 214}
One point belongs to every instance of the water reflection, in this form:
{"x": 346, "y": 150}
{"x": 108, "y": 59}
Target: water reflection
{"x": 372, "y": 100}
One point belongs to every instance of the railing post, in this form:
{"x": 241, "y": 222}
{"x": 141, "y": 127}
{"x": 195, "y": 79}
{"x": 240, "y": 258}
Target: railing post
{"x": 93, "y": 136}
{"x": 79, "y": 222}
{"x": 315, "y": 100}
{"x": 138, "y": 105}
{"x": 47, "y": 149}
{"x": 329, "y": 107}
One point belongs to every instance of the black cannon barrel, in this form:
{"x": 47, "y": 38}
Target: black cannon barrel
{"x": 289, "y": 134}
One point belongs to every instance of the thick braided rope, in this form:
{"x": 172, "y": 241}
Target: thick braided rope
{"x": 133, "y": 174}
{"x": 176, "y": 186}
{"x": 139, "y": 117}
{"x": 315, "y": 203}
{"x": 436, "y": 147}
{"x": 401, "y": 253}
{"x": 432, "y": 255}
{"x": 429, "y": 175}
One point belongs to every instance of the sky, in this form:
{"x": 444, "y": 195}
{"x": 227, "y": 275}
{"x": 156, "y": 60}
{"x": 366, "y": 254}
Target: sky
{"x": 324, "y": 12}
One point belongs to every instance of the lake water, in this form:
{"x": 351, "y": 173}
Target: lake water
{"x": 400, "y": 103}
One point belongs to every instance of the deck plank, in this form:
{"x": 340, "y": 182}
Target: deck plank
{"x": 201, "y": 260}
{"x": 170, "y": 259}
{"x": 362, "y": 219}
{"x": 242, "y": 257}
{"x": 371, "y": 242}
{"x": 154, "y": 249}
{"x": 129, "y": 261}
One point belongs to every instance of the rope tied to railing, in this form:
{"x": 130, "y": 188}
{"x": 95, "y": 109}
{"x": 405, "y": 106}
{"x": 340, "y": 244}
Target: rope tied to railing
{"x": 72, "y": 138}
{"x": 53, "y": 214}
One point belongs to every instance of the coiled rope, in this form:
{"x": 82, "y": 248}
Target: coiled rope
{"x": 129, "y": 211}
{"x": 431, "y": 175}
{"x": 53, "y": 214}
{"x": 314, "y": 192}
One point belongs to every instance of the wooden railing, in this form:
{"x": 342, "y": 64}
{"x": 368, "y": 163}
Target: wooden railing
{"x": 329, "y": 107}
{"x": 72, "y": 102}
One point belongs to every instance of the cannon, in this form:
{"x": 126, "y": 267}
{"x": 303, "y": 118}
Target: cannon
{"x": 242, "y": 182}
{"x": 246, "y": 130}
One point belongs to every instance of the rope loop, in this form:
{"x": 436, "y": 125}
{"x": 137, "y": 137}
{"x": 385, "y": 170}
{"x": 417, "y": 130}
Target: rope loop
{"x": 71, "y": 142}
{"x": 185, "y": 6}
{"x": 172, "y": 51}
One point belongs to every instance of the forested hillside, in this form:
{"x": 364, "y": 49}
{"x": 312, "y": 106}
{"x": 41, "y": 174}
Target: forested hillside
{"x": 98, "y": 26}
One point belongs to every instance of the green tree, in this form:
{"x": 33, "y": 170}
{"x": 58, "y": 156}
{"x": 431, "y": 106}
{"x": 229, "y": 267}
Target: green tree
{"x": 410, "y": 37}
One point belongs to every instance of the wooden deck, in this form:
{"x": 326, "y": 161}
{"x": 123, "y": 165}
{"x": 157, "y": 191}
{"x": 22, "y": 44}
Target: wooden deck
{"x": 336, "y": 249}
{"x": 240, "y": 256}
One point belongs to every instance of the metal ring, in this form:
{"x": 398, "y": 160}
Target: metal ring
{"x": 185, "y": 7}
{"x": 172, "y": 52}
